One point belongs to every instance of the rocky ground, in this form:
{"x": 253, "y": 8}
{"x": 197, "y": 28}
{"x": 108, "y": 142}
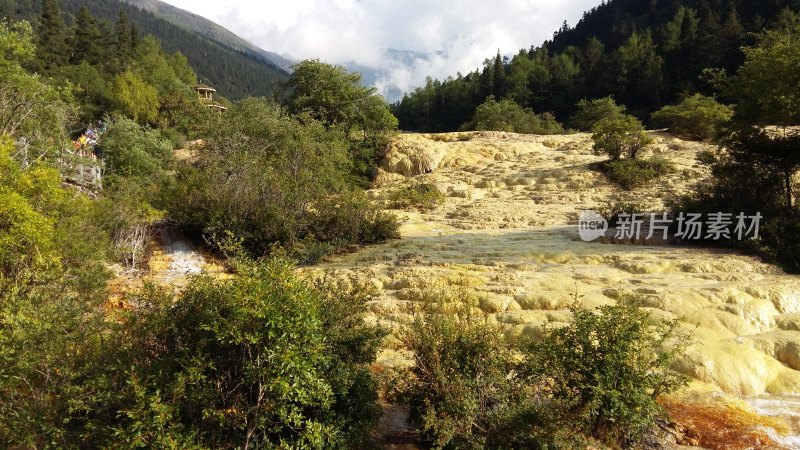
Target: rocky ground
{"x": 507, "y": 234}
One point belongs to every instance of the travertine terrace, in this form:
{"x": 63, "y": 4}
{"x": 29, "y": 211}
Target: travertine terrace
{"x": 507, "y": 233}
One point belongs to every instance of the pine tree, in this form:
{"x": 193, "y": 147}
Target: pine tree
{"x": 52, "y": 45}
{"x": 499, "y": 76}
{"x": 136, "y": 36}
{"x": 86, "y": 39}
{"x": 123, "y": 48}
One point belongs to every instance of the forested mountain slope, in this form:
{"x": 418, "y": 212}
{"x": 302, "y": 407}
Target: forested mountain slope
{"x": 211, "y": 30}
{"x": 234, "y": 73}
{"x": 645, "y": 54}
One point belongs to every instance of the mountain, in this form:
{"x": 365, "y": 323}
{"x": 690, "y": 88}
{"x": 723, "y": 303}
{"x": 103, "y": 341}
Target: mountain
{"x": 211, "y": 30}
{"x": 218, "y": 57}
{"x": 645, "y": 54}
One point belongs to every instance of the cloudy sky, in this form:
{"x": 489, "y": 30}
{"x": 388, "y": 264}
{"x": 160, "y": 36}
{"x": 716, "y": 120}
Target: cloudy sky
{"x": 345, "y": 31}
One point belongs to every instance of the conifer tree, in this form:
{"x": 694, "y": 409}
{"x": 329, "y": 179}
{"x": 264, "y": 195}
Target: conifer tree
{"x": 52, "y": 46}
{"x": 136, "y": 36}
{"x": 123, "y": 48}
{"x": 86, "y": 39}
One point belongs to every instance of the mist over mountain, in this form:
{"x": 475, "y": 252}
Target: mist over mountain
{"x": 396, "y": 74}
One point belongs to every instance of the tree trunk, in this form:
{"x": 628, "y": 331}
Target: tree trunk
{"x": 787, "y": 179}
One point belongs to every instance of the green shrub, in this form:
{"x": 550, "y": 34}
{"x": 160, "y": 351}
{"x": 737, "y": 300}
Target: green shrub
{"x": 606, "y": 370}
{"x": 474, "y": 385}
{"x": 133, "y": 150}
{"x": 351, "y": 218}
{"x": 613, "y": 207}
{"x": 338, "y": 98}
{"x": 173, "y": 136}
{"x": 262, "y": 360}
{"x": 505, "y": 115}
{"x": 695, "y": 117}
{"x": 619, "y": 136}
{"x": 422, "y": 196}
{"x": 463, "y": 378}
{"x": 124, "y": 211}
{"x": 780, "y": 241}
{"x": 53, "y": 332}
{"x": 633, "y": 173}
{"x": 590, "y": 112}
{"x": 460, "y": 137}
{"x": 269, "y": 178}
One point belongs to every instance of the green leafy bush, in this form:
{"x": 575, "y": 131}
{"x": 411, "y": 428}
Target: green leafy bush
{"x": 133, "y": 150}
{"x": 338, "y": 98}
{"x": 589, "y": 112}
{"x": 613, "y": 207}
{"x": 695, "y": 117}
{"x": 633, "y": 173}
{"x": 619, "y": 136}
{"x": 351, "y": 218}
{"x": 449, "y": 137}
{"x": 463, "y": 379}
{"x": 269, "y": 178}
{"x": 474, "y": 385}
{"x": 125, "y": 212}
{"x": 422, "y": 196}
{"x": 505, "y": 115}
{"x": 173, "y": 136}
{"x": 605, "y": 370}
{"x": 261, "y": 360}
{"x": 52, "y": 328}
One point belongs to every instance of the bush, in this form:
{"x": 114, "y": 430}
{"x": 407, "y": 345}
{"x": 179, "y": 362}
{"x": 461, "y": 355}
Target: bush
{"x": 53, "y": 333}
{"x": 449, "y": 137}
{"x": 613, "y": 207}
{"x": 422, "y": 196}
{"x": 127, "y": 215}
{"x": 606, "y": 370}
{"x": 506, "y": 115}
{"x": 336, "y": 97}
{"x": 473, "y": 385}
{"x": 633, "y": 173}
{"x": 695, "y": 117}
{"x": 133, "y": 150}
{"x": 173, "y": 136}
{"x": 780, "y": 241}
{"x": 590, "y": 112}
{"x": 262, "y": 360}
{"x": 463, "y": 378}
{"x": 763, "y": 193}
{"x": 619, "y": 136}
{"x": 352, "y": 219}
{"x": 268, "y": 178}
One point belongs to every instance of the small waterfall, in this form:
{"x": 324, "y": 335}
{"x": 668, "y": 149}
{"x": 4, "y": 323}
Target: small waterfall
{"x": 786, "y": 407}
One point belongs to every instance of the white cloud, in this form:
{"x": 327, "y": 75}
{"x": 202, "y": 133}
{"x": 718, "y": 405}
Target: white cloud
{"x": 341, "y": 31}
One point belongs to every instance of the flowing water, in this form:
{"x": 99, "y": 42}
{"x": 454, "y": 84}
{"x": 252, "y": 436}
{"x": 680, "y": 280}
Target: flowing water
{"x": 786, "y": 407}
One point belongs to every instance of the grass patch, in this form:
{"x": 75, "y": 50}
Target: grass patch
{"x": 632, "y": 173}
